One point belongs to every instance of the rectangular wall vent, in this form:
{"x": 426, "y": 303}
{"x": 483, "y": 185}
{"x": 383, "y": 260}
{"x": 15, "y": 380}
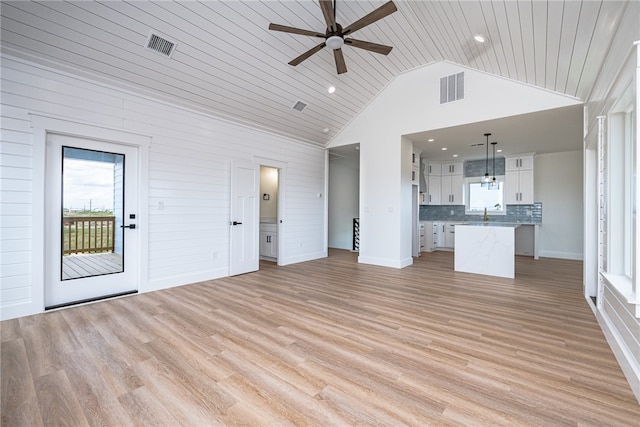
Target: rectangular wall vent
{"x": 160, "y": 44}
{"x": 452, "y": 88}
{"x": 299, "y": 106}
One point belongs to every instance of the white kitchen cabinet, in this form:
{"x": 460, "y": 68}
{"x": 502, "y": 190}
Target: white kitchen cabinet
{"x": 440, "y": 234}
{"x": 450, "y": 235}
{"x": 422, "y": 234}
{"x": 434, "y": 169}
{"x": 518, "y": 186}
{"x": 415, "y": 167}
{"x": 434, "y": 190}
{"x": 452, "y": 190}
{"x": 269, "y": 241}
{"x": 451, "y": 169}
{"x": 518, "y": 162}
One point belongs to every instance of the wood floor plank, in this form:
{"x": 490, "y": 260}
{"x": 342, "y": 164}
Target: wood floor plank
{"x": 58, "y": 402}
{"x": 328, "y": 342}
{"x": 19, "y": 401}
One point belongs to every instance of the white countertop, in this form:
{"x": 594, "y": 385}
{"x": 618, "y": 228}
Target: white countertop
{"x": 493, "y": 224}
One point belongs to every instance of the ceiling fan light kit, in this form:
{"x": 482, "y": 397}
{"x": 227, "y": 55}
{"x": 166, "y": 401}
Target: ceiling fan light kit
{"x": 335, "y": 34}
{"x": 335, "y": 42}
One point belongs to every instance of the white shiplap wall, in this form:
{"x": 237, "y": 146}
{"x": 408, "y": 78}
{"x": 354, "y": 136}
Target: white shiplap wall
{"x": 616, "y": 314}
{"x": 188, "y": 171}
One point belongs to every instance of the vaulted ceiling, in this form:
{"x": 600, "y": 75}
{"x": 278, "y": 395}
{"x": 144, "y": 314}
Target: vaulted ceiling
{"x": 227, "y": 62}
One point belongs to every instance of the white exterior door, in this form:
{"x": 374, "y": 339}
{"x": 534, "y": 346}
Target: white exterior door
{"x": 244, "y": 225}
{"x": 91, "y": 237}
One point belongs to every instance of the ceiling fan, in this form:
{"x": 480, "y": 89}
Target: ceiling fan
{"x": 335, "y": 35}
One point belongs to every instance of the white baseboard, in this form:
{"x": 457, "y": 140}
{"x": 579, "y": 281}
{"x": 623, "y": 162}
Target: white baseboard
{"x": 302, "y": 258}
{"x": 179, "y": 280}
{"x": 630, "y": 367}
{"x": 20, "y": 309}
{"x": 578, "y": 256}
{"x": 386, "y": 262}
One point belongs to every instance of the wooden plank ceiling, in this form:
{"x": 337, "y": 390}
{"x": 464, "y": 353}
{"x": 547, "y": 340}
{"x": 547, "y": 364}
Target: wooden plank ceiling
{"x": 228, "y": 63}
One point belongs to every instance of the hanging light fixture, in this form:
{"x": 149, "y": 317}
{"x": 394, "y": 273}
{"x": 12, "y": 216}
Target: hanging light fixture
{"x": 486, "y": 180}
{"x": 495, "y": 185}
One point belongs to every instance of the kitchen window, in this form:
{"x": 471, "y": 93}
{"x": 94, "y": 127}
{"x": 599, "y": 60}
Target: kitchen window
{"x": 620, "y": 190}
{"x": 480, "y": 197}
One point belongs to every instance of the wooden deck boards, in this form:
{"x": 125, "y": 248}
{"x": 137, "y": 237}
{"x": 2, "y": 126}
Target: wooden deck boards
{"x": 85, "y": 265}
{"x": 325, "y": 343}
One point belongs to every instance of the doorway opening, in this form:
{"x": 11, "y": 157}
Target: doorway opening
{"x": 344, "y": 197}
{"x": 269, "y": 195}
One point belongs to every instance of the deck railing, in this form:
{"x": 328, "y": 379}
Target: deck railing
{"x": 85, "y": 234}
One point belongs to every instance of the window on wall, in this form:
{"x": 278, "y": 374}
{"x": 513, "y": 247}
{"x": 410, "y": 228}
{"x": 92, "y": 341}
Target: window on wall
{"x": 620, "y": 223}
{"x": 481, "y": 197}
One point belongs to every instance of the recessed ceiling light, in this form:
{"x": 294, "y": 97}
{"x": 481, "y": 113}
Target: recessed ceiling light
{"x": 444, "y": 148}
{"x": 430, "y": 140}
{"x": 498, "y": 151}
{"x": 455, "y": 155}
{"x": 480, "y": 38}
{"x": 325, "y": 130}
{"x": 331, "y": 89}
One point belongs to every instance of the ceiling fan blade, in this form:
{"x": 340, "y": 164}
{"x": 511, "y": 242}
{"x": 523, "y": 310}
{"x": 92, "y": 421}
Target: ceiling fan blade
{"x": 373, "y": 47}
{"x": 384, "y": 10}
{"x": 293, "y": 30}
{"x": 329, "y": 17}
{"x": 341, "y": 66}
{"x": 307, "y": 54}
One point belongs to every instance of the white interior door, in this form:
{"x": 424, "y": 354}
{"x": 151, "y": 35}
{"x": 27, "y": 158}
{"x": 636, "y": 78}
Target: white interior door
{"x": 244, "y": 225}
{"x": 91, "y": 237}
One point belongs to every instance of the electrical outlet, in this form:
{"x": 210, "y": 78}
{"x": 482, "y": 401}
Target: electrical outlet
{"x": 214, "y": 255}
{"x": 529, "y": 213}
{"x": 451, "y": 212}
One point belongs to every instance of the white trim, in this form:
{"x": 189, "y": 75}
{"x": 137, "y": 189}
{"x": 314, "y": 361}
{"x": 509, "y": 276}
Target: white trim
{"x": 386, "y": 262}
{"x": 182, "y": 280}
{"x": 302, "y": 258}
{"x": 630, "y": 367}
{"x": 578, "y": 256}
{"x": 71, "y": 127}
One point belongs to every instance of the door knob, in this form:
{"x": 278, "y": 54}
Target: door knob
{"x": 131, "y": 226}
{"x": 236, "y": 223}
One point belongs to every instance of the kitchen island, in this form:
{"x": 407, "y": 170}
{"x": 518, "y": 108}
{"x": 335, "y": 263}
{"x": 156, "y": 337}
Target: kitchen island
{"x": 485, "y": 248}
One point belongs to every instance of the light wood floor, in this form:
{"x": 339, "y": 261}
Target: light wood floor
{"x": 324, "y": 343}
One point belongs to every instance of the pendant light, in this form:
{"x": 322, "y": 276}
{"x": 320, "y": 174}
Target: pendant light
{"x": 494, "y": 183}
{"x": 485, "y": 181}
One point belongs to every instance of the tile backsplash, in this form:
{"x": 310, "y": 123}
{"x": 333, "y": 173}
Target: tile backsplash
{"x": 474, "y": 168}
{"x": 524, "y": 214}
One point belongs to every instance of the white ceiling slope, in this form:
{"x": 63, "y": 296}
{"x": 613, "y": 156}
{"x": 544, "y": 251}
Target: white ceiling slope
{"x": 228, "y": 63}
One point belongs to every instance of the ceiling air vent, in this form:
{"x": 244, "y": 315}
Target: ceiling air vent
{"x": 299, "y": 106}
{"x": 451, "y": 88}
{"x": 160, "y": 44}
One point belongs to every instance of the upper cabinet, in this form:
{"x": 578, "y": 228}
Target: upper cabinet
{"x": 415, "y": 167}
{"x": 523, "y": 162}
{"x": 444, "y": 184}
{"x": 451, "y": 169}
{"x": 518, "y": 186}
{"x": 434, "y": 169}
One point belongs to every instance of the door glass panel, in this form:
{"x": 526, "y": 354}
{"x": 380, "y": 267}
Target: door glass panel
{"x": 92, "y": 213}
